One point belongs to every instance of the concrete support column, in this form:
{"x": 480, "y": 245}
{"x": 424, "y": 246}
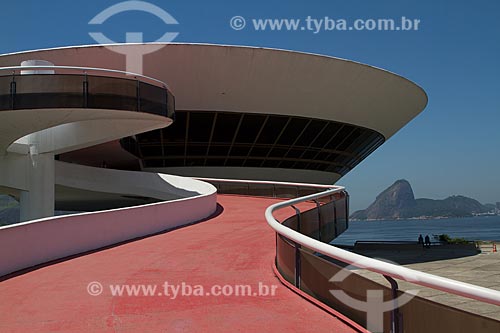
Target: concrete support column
{"x": 38, "y": 201}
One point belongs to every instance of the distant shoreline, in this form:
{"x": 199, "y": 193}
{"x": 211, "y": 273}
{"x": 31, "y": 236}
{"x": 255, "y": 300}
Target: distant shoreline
{"x": 423, "y": 218}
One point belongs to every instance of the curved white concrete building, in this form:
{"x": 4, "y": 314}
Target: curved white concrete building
{"x": 255, "y": 113}
{"x": 139, "y": 156}
{"x": 70, "y": 117}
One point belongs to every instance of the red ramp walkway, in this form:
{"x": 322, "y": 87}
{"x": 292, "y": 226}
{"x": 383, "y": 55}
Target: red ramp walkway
{"x": 235, "y": 248}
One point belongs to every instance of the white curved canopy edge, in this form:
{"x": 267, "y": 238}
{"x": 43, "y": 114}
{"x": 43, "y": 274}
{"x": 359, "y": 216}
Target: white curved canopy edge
{"x": 259, "y": 80}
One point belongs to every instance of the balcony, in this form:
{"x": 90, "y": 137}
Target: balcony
{"x": 43, "y": 87}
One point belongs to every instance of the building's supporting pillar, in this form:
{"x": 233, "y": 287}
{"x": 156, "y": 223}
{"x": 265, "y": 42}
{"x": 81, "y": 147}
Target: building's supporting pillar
{"x": 39, "y": 198}
{"x": 38, "y": 201}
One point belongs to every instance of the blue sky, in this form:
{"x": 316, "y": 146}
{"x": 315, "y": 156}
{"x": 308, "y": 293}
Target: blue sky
{"x": 451, "y": 148}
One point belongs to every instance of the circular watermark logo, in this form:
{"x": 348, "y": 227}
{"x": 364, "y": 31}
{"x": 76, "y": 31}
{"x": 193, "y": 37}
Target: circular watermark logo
{"x": 374, "y": 306}
{"x": 134, "y": 55}
{"x": 237, "y": 22}
{"x": 94, "y": 288}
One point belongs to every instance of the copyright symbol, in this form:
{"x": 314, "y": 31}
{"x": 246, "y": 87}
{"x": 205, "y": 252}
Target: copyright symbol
{"x": 237, "y": 22}
{"x": 94, "y": 288}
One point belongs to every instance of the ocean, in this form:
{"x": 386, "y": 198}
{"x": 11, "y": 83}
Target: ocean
{"x": 470, "y": 228}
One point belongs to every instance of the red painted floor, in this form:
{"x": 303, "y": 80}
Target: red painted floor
{"x": 235, "y": 248}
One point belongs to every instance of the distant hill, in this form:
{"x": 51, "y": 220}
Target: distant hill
{"x": 398, "y": 202}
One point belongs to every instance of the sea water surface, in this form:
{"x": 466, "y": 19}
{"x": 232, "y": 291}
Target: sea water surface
{"x": 470, "y": 228}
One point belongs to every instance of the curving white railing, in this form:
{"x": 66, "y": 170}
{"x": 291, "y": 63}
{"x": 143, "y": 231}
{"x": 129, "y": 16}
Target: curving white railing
{"x": 395, "y": 271}
{"x": 36, "y": 242}
{"x": 263, "y": 182}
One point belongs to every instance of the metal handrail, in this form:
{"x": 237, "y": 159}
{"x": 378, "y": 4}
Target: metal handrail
{"x": 387, "y": 269}
{"x": 85, "y": 70}
{"x": 263, "y": 182}
{"x": 274, "y": 185}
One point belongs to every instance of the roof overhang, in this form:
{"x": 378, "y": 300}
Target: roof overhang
{"x": 260, "y": 80}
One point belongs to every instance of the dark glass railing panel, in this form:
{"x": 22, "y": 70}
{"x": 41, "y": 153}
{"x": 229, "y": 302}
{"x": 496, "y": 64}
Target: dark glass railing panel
{"x": 152, "y": 99}
{"x": 328, "y": 228}
{"x": 310, "y": 223}
{"x": 324, "y": 223}
{"x": 312, "y": 273}
{"x": 49, "y": 91}
{"x": 315, "y": 275}
{"x": 292, "y": 222}
{"x": 48, "y": 83}
{"x": 5, "y": 102}
{"x": 5, "y": 85}
{"x": 315, "y": 279}
{"x": 47, "y": 100}
{"x": 285, "y": 192}
{"x": 341, "y": 215}
{"x": 261, "y": 190}
{"x": 5, "y": 94}
{"x": 285, "y": 258}
{"x": 112, "y": 93}
{"x": 111, "y": 86}
{"x": 39, "y": 91}
{"x": 258, "y": 190}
